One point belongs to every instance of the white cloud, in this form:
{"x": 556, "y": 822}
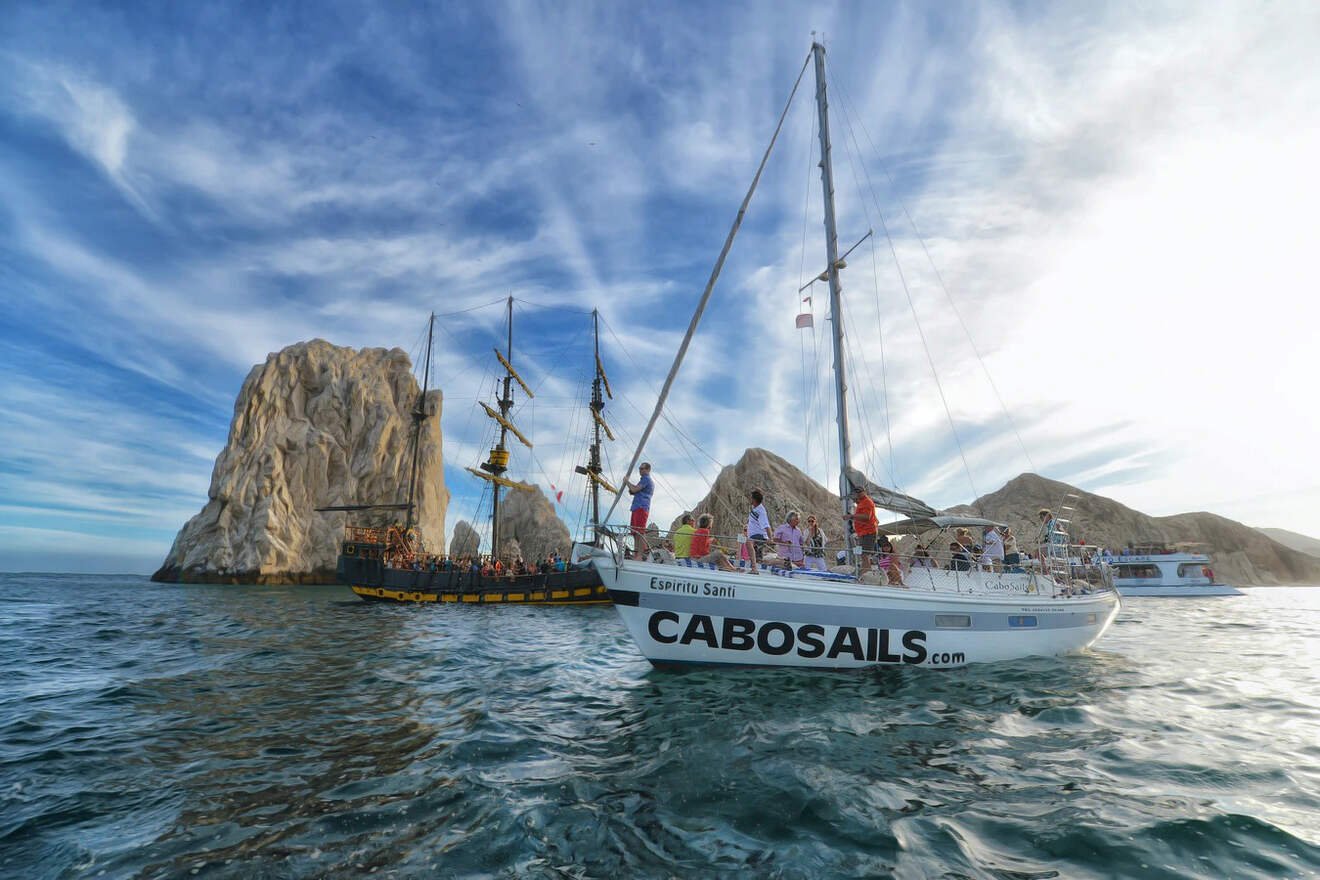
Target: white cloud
{"x": 1118, "y": 201}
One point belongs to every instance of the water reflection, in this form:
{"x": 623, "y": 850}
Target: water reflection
{"x": 302, "y": 733}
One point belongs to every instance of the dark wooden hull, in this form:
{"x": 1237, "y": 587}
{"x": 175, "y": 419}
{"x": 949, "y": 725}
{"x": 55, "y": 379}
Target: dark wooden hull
{"x": 372, "y": 581}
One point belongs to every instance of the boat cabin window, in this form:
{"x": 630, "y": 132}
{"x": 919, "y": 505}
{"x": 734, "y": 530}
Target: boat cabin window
{"x": 1136, "y": 571}
{"x": 1191, "y": 570}
{"x": 953, "y": 621}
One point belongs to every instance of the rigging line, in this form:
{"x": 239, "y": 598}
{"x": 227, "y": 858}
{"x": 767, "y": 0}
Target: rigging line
{"x": 854, "y": 159}
{"x": 710, "y": 286}
{"x": 802, "y": 268}
{"x": 884, "y": 370}
{"x": 557, "y": 308}
{"x": 940, "y": 278}
{"x": 676, "y": 446}
{"x": 865, "y": 421}
{"x": 907, "y": 292}
{"x": 865, "y": 416}
{"x": 818, "y": 399}
{"x": 564, "y": 351}
{"x": 668, "y": 420}
{"x": 496, "y": 302}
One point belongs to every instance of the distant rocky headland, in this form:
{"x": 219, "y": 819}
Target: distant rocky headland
{"x": 320, "y": 425}
{"x": 1241, "y": 555}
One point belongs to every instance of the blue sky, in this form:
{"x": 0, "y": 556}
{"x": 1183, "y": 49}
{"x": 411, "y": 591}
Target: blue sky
{"x": 1115, "y": 199}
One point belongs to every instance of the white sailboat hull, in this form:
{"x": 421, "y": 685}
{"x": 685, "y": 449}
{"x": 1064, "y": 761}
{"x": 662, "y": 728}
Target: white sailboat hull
{"x": 683, "y": 616}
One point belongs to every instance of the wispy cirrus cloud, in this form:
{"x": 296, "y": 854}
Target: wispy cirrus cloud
{"x": 1115, "y": 199}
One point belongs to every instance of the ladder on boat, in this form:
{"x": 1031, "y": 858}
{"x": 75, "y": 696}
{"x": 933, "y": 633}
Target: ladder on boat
{"x": 1058, "y": 541}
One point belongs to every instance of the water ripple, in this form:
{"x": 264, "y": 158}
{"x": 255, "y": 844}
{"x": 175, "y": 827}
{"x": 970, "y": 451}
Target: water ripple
{"x": 155, "y": 731}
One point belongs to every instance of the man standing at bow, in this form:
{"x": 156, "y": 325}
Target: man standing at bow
{"x": 641, "y": 492}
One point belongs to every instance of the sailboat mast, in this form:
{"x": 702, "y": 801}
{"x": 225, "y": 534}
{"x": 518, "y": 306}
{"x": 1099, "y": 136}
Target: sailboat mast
{"x": 836, "y": 304}
{"x": 418, "y": 415}
{"x": 506, "y": 404}
{"x": 597, "y": 404}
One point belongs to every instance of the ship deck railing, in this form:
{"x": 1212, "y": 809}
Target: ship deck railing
{"x": 1055, "y": 570}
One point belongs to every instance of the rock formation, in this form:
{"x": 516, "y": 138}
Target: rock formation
{"x": 1294, "y": 540}
{"x": 466, "y": 541}
{"x": 785, "y": 487}
{"x": 528, "y": 517}
{"x": 1241, "y": 554}
{"x": 315, "y": 425}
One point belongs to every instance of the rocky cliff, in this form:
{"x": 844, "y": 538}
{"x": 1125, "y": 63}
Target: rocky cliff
{"x": 1294, "y": 540}
{"x": 529, "y": 527}
{"x": 785, "y": 487}
{"x": 528, "y": 518}
{"x": 1242, "y": 555}
{"x": 315, "y": 425}
{"x": 466, "y": 541}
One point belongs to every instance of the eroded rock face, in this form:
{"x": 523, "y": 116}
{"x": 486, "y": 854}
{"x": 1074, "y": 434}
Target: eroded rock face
{"x": 1239, "y": 553}
{"x": 315, "y": 425}
{"x": 466, "y": 541}
{"x": 785, "y": 488}
{"x": 528, "y": 518}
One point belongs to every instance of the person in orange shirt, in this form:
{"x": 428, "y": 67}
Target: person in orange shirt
{"x": 865, "y": 526}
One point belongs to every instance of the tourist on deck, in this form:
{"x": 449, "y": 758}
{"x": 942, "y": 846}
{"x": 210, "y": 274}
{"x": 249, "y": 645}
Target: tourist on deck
{"x": 788, "y": 542}
{"x": 887, "y": 561}
{"x": 865, "y": 525}
{"x": 813, "y": 550}
{"x": 994, "y": 548}
{"x": 960, "y": 558}
{"x": 683, "y": 538}
{"x": 921, "y": 557}
{"x": 1011, "y": 556}
{"x": 701, "y": 549}
{"x": 641, "y": 491}
{"x": 758, "y": 524}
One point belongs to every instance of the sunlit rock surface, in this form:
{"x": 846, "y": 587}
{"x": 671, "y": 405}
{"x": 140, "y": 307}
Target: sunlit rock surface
{"x": 528, "y": 518}
{"x": 315, "y": 425}
{"x": 466, "y": 541}
{"x": 785, "y": 488}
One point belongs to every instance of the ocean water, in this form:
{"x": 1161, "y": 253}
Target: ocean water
{"x": 181, "y": 731}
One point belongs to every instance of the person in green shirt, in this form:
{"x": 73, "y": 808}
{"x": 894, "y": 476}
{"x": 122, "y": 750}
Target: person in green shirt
{"x": 683, "y": 538}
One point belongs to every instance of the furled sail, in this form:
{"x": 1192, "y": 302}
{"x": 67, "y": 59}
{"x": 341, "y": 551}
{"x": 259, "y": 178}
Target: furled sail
{"x": 888, "y": 498}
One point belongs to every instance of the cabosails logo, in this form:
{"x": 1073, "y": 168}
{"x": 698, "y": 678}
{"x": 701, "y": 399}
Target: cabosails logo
{"x": 775, "y": 638}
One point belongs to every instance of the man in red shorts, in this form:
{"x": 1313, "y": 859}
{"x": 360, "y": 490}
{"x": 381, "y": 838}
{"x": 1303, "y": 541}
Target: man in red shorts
{"x": 641, "y": 492}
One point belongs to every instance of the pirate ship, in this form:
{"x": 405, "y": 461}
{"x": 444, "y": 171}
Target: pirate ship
{"x": 391, "y": 563}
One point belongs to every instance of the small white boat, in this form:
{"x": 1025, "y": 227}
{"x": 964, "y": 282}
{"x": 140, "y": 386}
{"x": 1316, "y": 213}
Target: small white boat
{"x": 1156, "y": 571}
{"x": 696, "y": 613}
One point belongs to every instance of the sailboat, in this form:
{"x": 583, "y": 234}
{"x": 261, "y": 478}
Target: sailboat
{"x": 391, "y": 565}
{"x": 699, "y": 614}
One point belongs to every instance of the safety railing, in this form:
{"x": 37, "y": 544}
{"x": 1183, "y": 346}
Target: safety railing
{"x": 1048, "y": 569}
